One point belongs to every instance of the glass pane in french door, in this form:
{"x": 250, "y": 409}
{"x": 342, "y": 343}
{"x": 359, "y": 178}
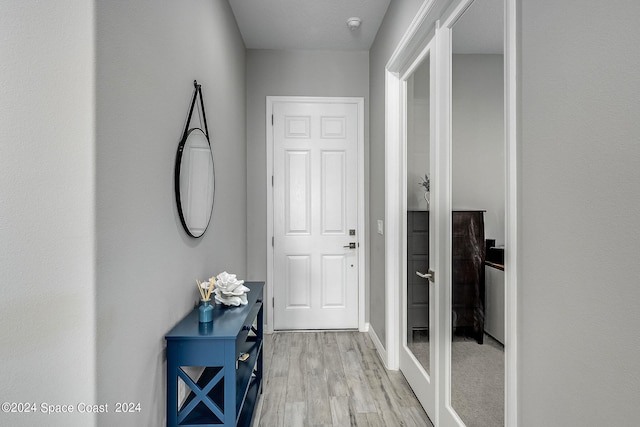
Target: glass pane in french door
{"x": 418, "y": 186}
{"x": 477, "y": 198}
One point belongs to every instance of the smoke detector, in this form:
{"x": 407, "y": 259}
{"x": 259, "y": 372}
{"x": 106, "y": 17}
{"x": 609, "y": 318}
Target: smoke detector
{"x": 354, "y": 23}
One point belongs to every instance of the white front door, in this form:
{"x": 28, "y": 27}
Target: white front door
{"x": 315, "y": 200}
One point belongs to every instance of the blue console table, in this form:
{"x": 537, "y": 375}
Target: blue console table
{"x": 226, "y": 392}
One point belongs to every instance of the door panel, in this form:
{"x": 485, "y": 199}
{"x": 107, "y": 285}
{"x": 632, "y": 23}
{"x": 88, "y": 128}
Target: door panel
{"x": 297, "y": 198}
{"x": 298, "y": 281}
{"x": 334, "y": 281}
{"x": 315, "y": 213}
{"x": 333, "y": 192}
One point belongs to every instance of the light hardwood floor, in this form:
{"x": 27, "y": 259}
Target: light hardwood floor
{"x": 332, "y": 379}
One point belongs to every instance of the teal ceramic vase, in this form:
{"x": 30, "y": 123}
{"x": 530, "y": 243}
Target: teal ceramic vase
{"x": 206, "y": 312}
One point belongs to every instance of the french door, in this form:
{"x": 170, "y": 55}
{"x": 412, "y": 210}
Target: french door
{"x": 419, "y": 332}
{"x": 438, "y": 123}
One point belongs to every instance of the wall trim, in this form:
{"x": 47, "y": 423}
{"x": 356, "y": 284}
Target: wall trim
{"x": 417, "y": 35}
{"x": 359, "y": 101}
{"x": 379, "y": 347}
{"x": 392, "y": 209}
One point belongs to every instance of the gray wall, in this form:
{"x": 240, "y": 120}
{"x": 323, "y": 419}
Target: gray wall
{"x": 292, "y": 73}
{"x": 47, "y": 338}
{"x": 148, "y": 54}
{"x": 395, "y": 23}
{"x": 579, "y": 204}
{"x": 478, "y": 139}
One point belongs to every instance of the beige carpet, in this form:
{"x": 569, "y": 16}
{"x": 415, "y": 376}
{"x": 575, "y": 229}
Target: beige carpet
{"x": 477, "y": 379}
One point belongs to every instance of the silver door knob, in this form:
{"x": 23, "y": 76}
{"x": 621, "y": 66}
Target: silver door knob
{"x": 431, "y": 275}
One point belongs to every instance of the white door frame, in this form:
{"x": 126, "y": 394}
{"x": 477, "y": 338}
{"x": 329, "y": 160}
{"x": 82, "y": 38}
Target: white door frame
{"x": 359, "y": 102}
{"x": 418, "y": 35}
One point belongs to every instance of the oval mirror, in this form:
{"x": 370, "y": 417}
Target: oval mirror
{"x": 195, "y": 182}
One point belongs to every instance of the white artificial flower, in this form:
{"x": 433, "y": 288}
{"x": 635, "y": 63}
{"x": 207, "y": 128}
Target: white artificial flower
{"x": 229, "y": 290}
{"x": 228, "y": 282}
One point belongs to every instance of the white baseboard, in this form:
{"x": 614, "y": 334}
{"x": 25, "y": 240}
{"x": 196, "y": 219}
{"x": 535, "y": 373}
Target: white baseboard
{"x": 382, "y": 353}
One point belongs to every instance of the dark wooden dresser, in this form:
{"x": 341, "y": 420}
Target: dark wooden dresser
{"x": 468, "y": 254}
{"x": 468, "y": 274}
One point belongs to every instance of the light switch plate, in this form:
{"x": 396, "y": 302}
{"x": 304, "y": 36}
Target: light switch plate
{"x": 380, "y": 227}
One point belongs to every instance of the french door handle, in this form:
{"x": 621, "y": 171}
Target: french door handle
{"x": 431, "y": 275}
{"x": 351, "y": 245}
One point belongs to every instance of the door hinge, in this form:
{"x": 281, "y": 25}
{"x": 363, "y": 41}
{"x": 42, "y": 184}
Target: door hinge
{"x": 272, "y": 120}
{"x": 273, "y": 302}
{"x": 272, "y": 180}
{"x": 273, "y": 241}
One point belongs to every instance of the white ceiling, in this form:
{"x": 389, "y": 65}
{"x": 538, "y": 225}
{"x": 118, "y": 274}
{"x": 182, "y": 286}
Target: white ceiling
{"x": 308, "y": 24}
{"x": 321, "y": 24}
